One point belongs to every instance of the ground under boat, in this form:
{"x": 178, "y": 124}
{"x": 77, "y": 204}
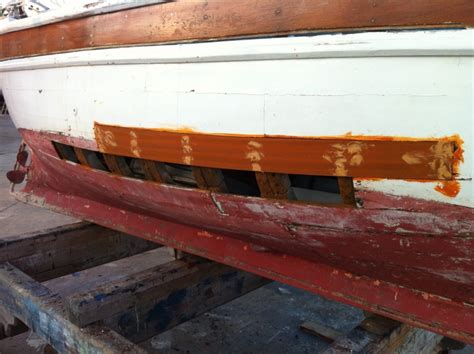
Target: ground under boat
{"x": 328, "y": 145}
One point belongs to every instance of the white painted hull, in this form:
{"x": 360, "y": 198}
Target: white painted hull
{"x": 409, "y": 84}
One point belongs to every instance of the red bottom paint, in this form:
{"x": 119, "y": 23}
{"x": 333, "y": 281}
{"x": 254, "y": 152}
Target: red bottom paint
{"x": 404, "y": 258}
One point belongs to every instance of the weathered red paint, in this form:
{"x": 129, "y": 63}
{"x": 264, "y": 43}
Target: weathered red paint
{"x": 404, "y": 258}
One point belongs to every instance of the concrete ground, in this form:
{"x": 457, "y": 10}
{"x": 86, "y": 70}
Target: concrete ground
{"x": 15, "y": 217}
{"x": 264, "y": 321}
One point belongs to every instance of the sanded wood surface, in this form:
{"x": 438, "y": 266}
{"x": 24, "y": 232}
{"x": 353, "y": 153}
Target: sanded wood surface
{"x": 200, "y": 19}
{"x": 423, "y": 159}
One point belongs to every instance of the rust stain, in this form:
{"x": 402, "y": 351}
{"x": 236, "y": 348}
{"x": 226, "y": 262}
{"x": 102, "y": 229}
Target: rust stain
{"x": 448, "y": 188}
{"x": 354, "y": 156}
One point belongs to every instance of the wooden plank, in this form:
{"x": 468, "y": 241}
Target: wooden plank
{"x": 63, "y": 250}
{"x": 43, "y": 312}
{"x": 210, "y": 178}
{"x": 155, "y": 171}
{"x": 327, "y": 334}
{"x": 198, "y": 20}
{"x": 117, "y": 165}
{"x": 274, "y": 185}
{"x": 89, "y": 279}
{"x": 153, "y": 300}
{"x": 365, "y": 157}
{"x": 381, "y": 335}
{"x": 67, "y": 249}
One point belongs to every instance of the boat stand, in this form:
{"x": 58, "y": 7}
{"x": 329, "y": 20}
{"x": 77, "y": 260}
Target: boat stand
{"x": 84, "y": 288}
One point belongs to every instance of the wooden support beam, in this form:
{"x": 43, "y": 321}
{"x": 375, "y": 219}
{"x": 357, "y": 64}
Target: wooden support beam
{"x": 81, "y": 156}
{"x": 346, "y": 190}
{"x": 274, "y": 185}
{"x": 210, "y": 178}
{"x": 67, "y": 249}
{"x": 154, "y": 297}
{"x": 66, "y": 152}
{"x": 327, "y": 334}
{"x": 89, "y": 158}
{"x": 43, "y": 312}
{"x": 63, "y": 250}
{"x": 378, "y": 334}
{"x": 155, "y": 171}
{"x": 117, "y": 165}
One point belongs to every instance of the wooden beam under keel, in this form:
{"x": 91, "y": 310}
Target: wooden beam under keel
{"x": 378, "y": 334}
{"x": 156, "y": 298}
{"x": 55, "y": 252}
{"x": 66, "y": 249}
{"x": 43, "y": 312}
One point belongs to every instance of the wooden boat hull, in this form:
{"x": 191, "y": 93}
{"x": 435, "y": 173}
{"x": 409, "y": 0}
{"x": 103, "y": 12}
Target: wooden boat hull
{"x": 416, "y": 277}
{"x": 384, "y": 115}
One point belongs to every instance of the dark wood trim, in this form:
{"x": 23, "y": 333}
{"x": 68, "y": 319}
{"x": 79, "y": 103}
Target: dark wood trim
{"x": 185, "y": 20}
{"x": 369, "y": 157}
{"x": 346, "y": 190}
{"x": 81, "y": 156}
{"x": 274, "y": 185}
{"x": 210, "y": 178}
{"x": 117, "y": 165}
{"x": 155, "y": 171}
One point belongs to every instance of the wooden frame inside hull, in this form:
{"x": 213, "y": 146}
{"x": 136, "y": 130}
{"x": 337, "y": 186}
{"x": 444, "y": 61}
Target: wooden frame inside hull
{"x": 443, "y": 314}
{"x": 204, "y": 20}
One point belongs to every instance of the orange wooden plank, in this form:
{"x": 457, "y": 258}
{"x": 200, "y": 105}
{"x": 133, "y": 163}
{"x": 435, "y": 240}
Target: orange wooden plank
{"x": 378, "y": 158}
{"x": 185, "y": 20}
